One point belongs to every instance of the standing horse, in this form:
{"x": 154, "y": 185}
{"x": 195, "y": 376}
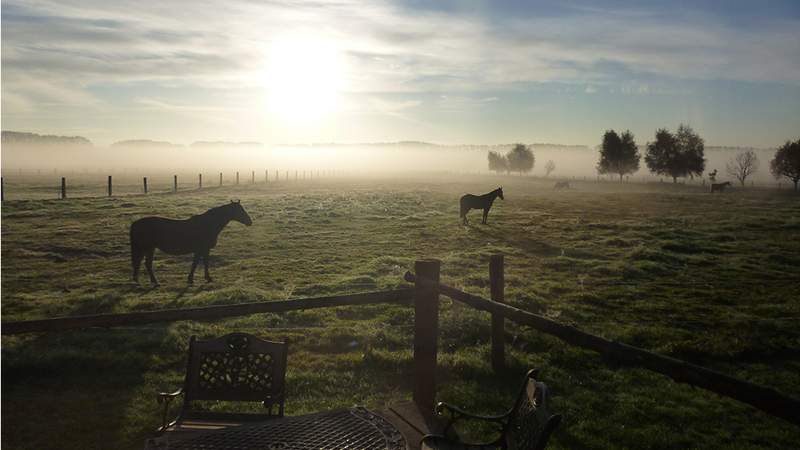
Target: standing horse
{"x": 197, "y": 235}
{"x": 719, "y": 187}
{"x": 483, "y": 202}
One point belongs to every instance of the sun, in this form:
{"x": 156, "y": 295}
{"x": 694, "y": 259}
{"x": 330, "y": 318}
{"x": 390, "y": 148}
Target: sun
{"x": 303, "y": 79}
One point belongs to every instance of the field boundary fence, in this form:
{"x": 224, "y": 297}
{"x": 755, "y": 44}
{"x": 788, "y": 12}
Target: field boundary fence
{"x": 62, "y": 189}
{"x": 424, "y": 297}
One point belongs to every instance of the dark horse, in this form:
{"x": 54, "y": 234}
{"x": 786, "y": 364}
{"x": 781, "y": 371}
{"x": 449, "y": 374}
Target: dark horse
{"x": 197, "y": 235}
{"x": 483, "y": 202}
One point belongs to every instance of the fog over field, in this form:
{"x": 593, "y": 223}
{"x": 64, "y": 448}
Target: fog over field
{"x": 144, "y": 157}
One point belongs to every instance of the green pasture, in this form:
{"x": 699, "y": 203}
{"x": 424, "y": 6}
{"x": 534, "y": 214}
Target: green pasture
{"x": 712, "y": 279}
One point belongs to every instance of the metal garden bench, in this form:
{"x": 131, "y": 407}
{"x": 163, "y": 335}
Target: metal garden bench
{"x": 526, "y": 426}
{"x": 235, "y": 367}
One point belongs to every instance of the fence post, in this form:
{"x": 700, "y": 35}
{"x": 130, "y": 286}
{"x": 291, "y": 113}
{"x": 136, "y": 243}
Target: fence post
{"x": 497, "y": 285}
{"x": 237, "y": 178}
{"x": 295, "y": 175}
{"x": 253, "y": 178}
{"x": 199, "y": 181}
{"x": 144, "y": 181}
{"x": 174, "y": 183}
{"x": 220, "y": 178}
{"x": 426, "y": 332}
{"x": 109, "y": 185}
{"x": 63, "y": 188}
{"x": 266, "y": 176}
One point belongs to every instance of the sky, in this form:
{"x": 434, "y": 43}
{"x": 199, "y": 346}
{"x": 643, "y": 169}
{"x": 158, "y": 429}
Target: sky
{"x": 483, "y": 72}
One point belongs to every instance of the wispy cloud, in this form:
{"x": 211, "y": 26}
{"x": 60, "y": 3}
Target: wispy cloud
{"x": 62, "y": 51}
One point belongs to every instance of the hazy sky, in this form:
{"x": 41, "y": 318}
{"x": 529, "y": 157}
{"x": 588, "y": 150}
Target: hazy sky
{"x": 354, "y": 71}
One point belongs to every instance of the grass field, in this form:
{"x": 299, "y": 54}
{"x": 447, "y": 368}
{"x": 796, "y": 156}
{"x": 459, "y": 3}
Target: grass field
{"x": 713, "y": 279}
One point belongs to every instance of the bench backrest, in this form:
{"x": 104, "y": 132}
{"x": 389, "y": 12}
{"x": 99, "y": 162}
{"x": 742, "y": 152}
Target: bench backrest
{"x": 530, "y": 423}
{"x": 237, "y": 367}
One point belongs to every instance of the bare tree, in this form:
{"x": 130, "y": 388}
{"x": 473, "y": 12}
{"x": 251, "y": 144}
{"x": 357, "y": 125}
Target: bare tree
{"x": 549, "y": 168}
{"x": 743, "y": 165}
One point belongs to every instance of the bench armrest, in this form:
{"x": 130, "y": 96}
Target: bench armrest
{"x": 166, "y": 399}
{"x": 457, "y": 414}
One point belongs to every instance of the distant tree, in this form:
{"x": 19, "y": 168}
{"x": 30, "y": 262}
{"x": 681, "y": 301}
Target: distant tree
{"x": 786, "y": 162}
{"x": 676, "y": 155}
{"x": 549, "y": 168}
{"x": 692, "y": 147}
{"x": 497, "y": 162}
{"x": 743, "y": 165}
{"x": 520, "y": 159}
{"x": 618, "y": 154}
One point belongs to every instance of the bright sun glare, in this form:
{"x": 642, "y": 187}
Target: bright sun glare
{"x": 303, "y": 79}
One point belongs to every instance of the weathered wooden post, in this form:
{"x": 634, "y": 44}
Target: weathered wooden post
{"x": 497, "y": 286}
{"x": 426, "y": 333}
{"x": 253, "y": 178}
{"x": 144, "y": 183}
{"x": 237, "y": 178}
{"x": 109, "y": 185}
{"x": 174, "y": 183}
{"x": 295, "y": 175}
{"x": 199, "y": 181}
{"x": 63, "y": 188}
{"x": 220, "y": 178}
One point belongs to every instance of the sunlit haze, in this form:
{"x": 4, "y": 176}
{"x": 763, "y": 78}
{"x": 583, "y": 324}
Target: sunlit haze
{"x": 445, "y": 72}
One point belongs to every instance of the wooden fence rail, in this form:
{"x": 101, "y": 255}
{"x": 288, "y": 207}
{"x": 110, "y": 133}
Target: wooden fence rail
{"x": 403, "y": 296}
{"x": 764, "y": 398}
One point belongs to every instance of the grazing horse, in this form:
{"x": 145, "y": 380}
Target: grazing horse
{"x": 719, "y": 186}
{"x": 483, "y": 202}
{"x": 197, "y": 235}
{"x": 561, "y": 185}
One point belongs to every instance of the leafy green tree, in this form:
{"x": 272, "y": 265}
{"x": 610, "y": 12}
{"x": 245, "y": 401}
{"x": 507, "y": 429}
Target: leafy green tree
{"x": 786, "y": 162}
{"x": 692, "y": 148}
{"x": 520, "y": 159}
{"x": 618, "y": 154}
{"x": 497, "y": 162}
{"x": 676, "y": 155}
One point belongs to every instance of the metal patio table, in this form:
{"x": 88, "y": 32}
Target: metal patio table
{"x": 355, "y": 428}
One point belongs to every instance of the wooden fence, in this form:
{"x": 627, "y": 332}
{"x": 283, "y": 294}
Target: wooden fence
{"x": 425, "y": 299}
{"x": 109, "y": 189}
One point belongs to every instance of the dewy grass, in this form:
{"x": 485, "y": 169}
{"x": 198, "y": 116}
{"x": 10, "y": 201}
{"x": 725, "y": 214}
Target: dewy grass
{"x": 710, "y": 279}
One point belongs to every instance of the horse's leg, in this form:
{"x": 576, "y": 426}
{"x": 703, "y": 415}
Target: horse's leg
{"x": 136, "y": 262}
{"x": 205, "y": 265}
{"x": 148, "y": 264}
{"x": 485, "y": 215}
{"x": 195, "y": 260}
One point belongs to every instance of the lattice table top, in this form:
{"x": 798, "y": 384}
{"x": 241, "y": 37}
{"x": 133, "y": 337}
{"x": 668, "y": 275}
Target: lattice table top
{"x": 356, "y": 429}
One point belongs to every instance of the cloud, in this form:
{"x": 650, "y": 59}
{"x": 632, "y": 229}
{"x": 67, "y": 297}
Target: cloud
{"x": 93, "y": 52}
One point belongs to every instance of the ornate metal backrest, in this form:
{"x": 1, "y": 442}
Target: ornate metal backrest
{"x": 530, "y": 422}
{"x": 238, "y": 367}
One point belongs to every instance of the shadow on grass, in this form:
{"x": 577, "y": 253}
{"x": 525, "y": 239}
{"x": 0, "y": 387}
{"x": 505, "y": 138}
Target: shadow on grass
{"x": 56, "y": 385}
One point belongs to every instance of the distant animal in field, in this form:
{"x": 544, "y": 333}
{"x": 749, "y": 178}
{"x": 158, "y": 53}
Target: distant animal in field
{"x": 719, "y": 187}
{"x": 197, "y": 234}
{"x": 483, "y": 202}
{"x": 561, "y": 185}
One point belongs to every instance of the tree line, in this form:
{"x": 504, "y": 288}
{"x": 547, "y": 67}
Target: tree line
{"x": 676, "y": 154}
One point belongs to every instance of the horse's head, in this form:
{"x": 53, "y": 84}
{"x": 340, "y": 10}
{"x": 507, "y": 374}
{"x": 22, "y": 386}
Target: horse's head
{"x": 500, "y": 193}
{"x": 239, "y": 214}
